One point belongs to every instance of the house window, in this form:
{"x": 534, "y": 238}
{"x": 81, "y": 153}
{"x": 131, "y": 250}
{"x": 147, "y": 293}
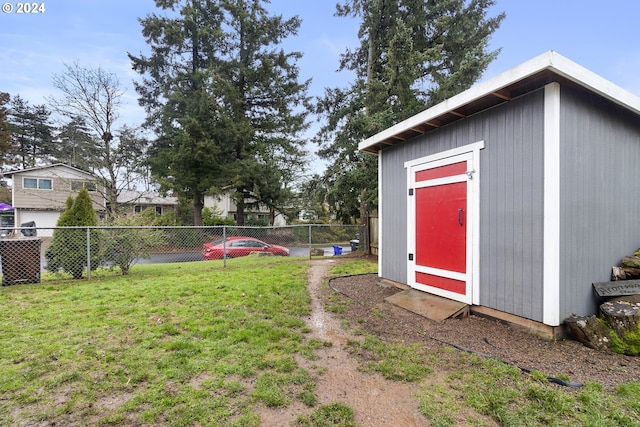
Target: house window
{"x": 138, "y": 209}
{"x": 77, "y": 185}
{"x": 37, "y": 183}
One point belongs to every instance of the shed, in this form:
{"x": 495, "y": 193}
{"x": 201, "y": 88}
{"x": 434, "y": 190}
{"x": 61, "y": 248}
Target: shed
{"x": 514, "y": 196}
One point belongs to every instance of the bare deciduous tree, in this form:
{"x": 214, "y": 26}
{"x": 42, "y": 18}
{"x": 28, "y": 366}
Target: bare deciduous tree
{"x": 94, "y": 96}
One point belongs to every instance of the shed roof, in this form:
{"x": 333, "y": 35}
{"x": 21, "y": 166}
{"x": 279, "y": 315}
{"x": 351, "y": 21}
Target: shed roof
{"x": 531, "y": 75}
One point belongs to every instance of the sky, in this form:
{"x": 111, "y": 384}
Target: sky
{"x": 600, "y": 36}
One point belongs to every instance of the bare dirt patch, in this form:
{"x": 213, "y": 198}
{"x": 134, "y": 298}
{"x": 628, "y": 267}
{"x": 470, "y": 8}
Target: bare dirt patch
{"x": 375, "y": 401}
{"x": 556, "y": 359}
{"x": 380, "y": 402}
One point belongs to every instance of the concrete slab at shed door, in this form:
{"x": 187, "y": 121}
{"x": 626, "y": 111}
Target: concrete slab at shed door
{"x": 428, "y": 305}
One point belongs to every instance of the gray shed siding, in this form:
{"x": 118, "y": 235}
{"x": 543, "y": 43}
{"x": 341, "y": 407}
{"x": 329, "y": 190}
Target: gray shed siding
{"x": 511, "y": 208}
{"x": 599, "y": 216}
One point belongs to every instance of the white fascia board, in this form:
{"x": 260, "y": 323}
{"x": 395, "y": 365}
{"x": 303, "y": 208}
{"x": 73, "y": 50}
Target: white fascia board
{"x": 594, "y": 82}
{"x": 549, "y": 60}
{"x": 476, "y": 92}
{"x": 53, "y": 166}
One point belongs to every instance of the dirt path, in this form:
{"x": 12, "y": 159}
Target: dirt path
{"x": 374, "y": 400}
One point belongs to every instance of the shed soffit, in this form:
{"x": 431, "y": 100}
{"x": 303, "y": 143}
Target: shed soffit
{"x": 527, "y": 77}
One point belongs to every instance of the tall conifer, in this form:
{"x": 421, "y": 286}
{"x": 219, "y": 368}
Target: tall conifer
{"x": 223, "y": 98}
{"x": 412, "y": 54}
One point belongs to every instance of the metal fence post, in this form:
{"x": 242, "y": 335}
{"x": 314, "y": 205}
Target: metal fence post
{"x": 88, "y": 254}
{"x": 224, "y": 245}
{"x": 309, "y": 241}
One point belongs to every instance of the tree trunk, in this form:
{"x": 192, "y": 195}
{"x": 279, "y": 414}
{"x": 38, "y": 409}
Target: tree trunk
{"x": 624, "y": 273}
{"x": 589, "y": 331}
{"x": 631, "y": 261}
{"x": 240, "y": 208}
{"x": 272, "y": 216}
{"x": 621, "y": 315}
{"x": 198, "y": 205}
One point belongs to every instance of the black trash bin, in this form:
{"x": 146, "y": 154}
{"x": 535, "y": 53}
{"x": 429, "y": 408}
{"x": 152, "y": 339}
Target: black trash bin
{"x": 28, "y": 229}
{"x": 20, "y": 260}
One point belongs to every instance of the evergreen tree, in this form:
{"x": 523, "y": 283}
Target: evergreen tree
{"x": 222, "y": 97}
{"x": 68, "y": 249}
{"x": 177, "y": 93}
{"x": 5, "y": 133}
{"x": 413, "y": 54}
{"x": 32, "y": 132}
{"x": 74, "y": 145}
{"x": 263, "y": 93}
{"x": 311, "y": 198}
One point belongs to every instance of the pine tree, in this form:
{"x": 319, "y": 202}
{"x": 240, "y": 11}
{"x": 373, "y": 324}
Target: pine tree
{"x": 68, "y": 249}
{"x": 5, "y": 134}
{"x": 226, "y": 105}
{"x": 413, "y": 54}
{"x": 74, "y": 145}
{"x": 31, "y": 131}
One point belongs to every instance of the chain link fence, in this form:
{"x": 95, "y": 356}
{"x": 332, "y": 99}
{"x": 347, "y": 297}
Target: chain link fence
{"x": 76, "y": 251}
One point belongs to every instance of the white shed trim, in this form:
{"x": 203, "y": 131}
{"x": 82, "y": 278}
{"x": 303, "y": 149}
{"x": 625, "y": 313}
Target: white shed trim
{"x": 471, "y": 154}
{"x": 549, "y": 61}
{"x": 551, "y": 259}
{"x": 380, "y": 246}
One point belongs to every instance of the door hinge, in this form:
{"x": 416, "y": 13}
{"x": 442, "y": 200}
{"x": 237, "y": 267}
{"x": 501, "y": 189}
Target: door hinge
{"x": 410, "y": 257}
{"x": 411, "y": 191}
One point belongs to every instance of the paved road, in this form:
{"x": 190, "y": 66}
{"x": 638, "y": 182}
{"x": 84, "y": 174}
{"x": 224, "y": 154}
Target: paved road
{"x": 197, "y": 256}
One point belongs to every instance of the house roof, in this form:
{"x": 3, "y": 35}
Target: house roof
{"x": 531, "y": 75}
{"x": 52, "y": 166}
{"x": 145, "y": 198}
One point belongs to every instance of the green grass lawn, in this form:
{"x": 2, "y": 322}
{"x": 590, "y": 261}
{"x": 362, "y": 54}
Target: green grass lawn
{"x": 198, "y": 344}
{"x": 174, "y": 344}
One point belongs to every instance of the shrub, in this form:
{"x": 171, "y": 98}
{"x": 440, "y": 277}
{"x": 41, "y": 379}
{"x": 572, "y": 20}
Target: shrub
{"x": 169, "y": 217}
{"x": 121, "y": 247}
{"x": 211, "y": 217}
{"x": 68, "y": 249}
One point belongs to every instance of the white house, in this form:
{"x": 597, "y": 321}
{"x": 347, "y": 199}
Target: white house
{"x": 226, "y": 207}
{"x": 39, "y": 194}
{"x": 137, "y": 201}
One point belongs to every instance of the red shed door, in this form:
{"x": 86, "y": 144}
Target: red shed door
{"x": 441, "y": 257}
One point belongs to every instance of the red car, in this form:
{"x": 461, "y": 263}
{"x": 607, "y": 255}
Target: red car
{"x": 240, "y": 246}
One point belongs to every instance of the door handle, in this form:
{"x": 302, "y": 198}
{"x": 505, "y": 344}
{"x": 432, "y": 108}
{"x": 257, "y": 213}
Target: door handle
{"x": 460, "y": 210}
